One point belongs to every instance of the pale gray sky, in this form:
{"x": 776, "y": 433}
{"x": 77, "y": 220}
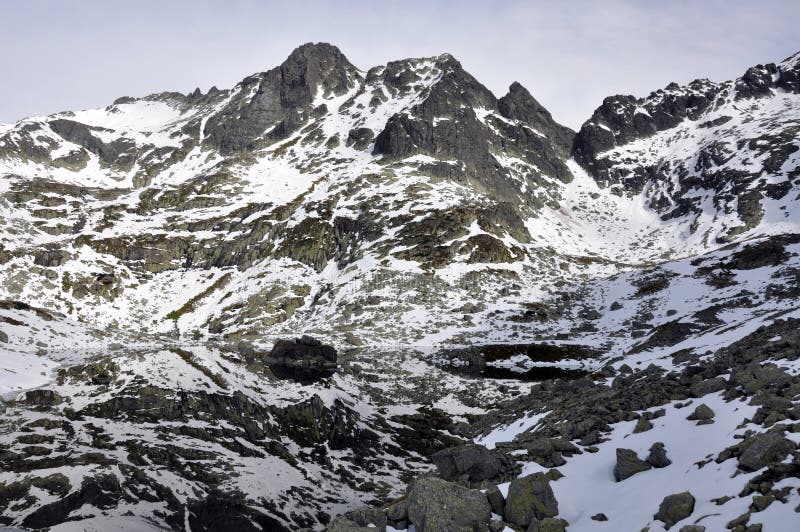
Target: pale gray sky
{"x": 59, "y": 55}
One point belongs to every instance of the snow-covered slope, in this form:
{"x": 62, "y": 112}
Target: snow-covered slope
{"x": 152, "y": 250}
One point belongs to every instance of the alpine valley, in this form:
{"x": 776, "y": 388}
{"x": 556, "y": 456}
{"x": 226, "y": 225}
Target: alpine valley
{"x": 335, "y": 299}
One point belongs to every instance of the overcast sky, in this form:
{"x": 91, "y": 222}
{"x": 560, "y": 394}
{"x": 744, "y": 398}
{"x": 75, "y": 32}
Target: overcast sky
{"x": 58, "y": 55}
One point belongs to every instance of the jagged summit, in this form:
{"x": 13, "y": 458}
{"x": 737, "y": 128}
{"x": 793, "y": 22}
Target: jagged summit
{"x": 518, "y": 104}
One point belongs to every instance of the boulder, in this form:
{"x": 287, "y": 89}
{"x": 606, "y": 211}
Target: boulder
{"x": 675, "y": 508}
{"x": 642, "y": 425}
{"x": 530, "y": 498}
{"x": 468, "y": 462}
{"x": 658, "y": 456}
{"x": 764, "y": 449}
{"x": 628, "y": 464}
{"x": 3, "y": 337}
{"x": 702, "y": 413}
{"x": 434, "y": 504}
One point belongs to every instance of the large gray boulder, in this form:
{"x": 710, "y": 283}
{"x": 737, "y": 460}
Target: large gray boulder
{"x": 675, "y": 508}
{"x": 628, "y": 464}
{"x": 764, "y": 449}
{"x": 435, "y": 505}
{"x": 530, "y": 498}
{"x": 468, "y": 462}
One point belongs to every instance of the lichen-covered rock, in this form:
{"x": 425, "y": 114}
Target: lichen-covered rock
{"x": 437, "y": 505}
{"x": 530, "y": 498}
{"x": 675, "y": 508}
{"x": 702, "y": 413}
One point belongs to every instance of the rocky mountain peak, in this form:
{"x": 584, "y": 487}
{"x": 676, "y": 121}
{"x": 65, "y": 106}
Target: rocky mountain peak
{"x": 316, "y": 66}
{"x": 273, "y": 104}
{"x": 518, "y": 104}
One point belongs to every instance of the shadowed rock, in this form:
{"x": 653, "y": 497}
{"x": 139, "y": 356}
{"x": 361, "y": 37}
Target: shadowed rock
{"x": 303, "y": 359}
{"x": 628, "y": 464}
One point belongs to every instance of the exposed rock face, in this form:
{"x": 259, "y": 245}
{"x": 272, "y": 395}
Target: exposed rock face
{"x": 518, "y": 104}
{"x": 277, "y": 102}
{"x": 450, "y": 124}
{"x": 606, "y": 145}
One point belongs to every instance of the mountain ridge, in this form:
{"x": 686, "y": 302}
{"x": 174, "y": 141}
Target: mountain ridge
{"x": 506, "y": 311}
{"x": 270, "y": 170}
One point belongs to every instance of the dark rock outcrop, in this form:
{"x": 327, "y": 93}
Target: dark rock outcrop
{"x": 274, "y": 104}
{"x": 658, "y": 456}
{"x": 628, "y": 464}
{"x": 303, "y": 358}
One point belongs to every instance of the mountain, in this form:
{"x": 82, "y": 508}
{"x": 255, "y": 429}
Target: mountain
{"x": 507, "y": 296}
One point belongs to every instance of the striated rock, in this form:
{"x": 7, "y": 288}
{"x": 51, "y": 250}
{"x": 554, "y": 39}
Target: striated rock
{"x": 43, "y": 398}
